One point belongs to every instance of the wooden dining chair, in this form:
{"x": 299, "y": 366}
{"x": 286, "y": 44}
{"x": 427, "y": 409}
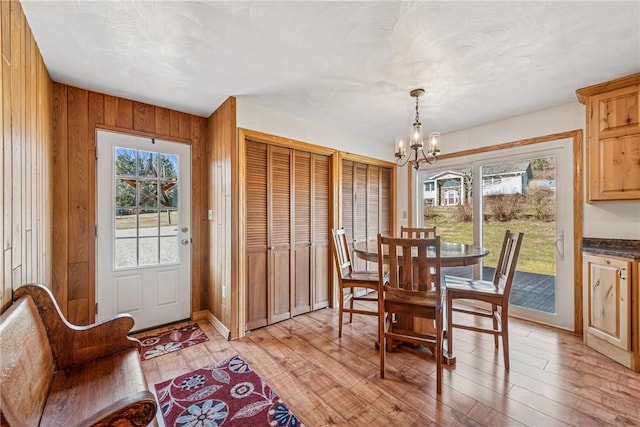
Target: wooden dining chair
{"x": 410, "y": 291}
{"x": 351, "y": 280}
{"x": 495, "y": 292}
{"x": 417, "y": 232}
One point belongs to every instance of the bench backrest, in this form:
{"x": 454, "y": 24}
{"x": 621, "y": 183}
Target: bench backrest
{"x": 26, "y": 365}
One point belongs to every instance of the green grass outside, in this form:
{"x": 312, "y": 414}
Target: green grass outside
{"x": 537, "y": 254}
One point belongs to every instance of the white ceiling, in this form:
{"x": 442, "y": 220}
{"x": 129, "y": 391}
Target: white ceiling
{"x": 349, "y": 65}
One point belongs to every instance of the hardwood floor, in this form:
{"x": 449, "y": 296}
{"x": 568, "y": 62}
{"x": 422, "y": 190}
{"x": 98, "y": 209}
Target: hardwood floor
{"x": 325, "y": 380}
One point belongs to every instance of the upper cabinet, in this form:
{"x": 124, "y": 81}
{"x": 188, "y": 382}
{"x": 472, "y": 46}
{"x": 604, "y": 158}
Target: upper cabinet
{"x": 613, "y": 139}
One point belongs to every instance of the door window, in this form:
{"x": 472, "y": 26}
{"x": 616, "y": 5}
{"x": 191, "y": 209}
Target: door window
{"x": 146, "y": 208}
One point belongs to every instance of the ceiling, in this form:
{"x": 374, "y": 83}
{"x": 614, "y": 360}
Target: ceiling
{"x": 348, "y": 65}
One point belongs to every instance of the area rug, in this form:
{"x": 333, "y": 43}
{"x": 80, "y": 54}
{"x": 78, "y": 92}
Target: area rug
{"x": 173, "y": 340}
{"x": 227, "y": 393}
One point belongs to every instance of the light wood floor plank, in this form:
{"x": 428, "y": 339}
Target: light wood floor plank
{"x": 555, "y": 380}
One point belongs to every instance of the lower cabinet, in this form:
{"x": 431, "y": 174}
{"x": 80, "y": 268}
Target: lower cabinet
{"x": 610, "y": 294}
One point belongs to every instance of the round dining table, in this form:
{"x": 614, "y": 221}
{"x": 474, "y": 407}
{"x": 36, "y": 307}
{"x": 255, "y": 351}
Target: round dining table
{"x": 452, "y": 254}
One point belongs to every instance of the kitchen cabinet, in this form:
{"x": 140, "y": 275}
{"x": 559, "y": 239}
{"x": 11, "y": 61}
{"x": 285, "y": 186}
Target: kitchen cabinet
{"x": 611, "y": 304}
{"x": 613, "y": 139}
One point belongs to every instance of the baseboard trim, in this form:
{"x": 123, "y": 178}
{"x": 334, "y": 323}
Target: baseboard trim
{"x": 217, "y": 324}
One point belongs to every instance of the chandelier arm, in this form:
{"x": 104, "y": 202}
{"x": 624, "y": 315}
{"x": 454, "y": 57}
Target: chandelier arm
{"x": 403, "y": 160}
{"x": 431, "y": 159}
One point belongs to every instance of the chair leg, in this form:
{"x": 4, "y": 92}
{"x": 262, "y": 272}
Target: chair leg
{"x": 505, "y": 338}
{"x": 353, "y": 294}
{"x": 383, "y": 340}
{"x": 340, "y": 312}
{"x": 438, "y": 352}
{"x": 449, "y": 325}
{"x": 494, "y": 310}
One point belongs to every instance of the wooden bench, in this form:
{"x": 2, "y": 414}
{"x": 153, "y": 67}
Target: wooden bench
{"x": 53, "y": 373}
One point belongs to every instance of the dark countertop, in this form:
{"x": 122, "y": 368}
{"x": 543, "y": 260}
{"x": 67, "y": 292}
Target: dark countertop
{"x": 613, "y": 247}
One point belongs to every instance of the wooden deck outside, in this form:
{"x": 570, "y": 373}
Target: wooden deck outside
{"x": 555, "y": 380}
{"x": 530, "y": 290}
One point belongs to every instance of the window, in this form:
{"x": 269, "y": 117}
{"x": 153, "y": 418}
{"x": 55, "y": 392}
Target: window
{"x": 145, "y": 208}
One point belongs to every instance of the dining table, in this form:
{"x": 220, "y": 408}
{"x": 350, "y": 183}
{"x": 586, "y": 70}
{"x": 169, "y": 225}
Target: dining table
{"x": 452, "y": 254}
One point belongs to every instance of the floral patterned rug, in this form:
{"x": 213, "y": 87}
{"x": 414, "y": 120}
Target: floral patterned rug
{"x": 169, "y": 341}
{"x": 227, "y": 393}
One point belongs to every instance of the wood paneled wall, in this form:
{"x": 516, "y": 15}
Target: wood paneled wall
{"x": 77, "y": 113}
{"x": 25, "y": 144}
{"x": 222, "y": 189}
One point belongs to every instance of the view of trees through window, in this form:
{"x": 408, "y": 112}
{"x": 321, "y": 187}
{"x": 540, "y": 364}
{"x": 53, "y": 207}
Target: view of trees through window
{"x": 146, "y": 207}
{"x": 515, "y": 195}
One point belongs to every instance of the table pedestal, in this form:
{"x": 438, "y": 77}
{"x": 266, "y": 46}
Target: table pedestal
{"x": 423, "y": 326}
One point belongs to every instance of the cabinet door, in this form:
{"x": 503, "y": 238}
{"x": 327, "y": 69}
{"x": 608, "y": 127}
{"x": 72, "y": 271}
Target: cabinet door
{"x": 608, "y": 311}
{"x": 614, "y": 145}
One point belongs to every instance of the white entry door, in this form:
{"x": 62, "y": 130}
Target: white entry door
{"x": 143, "y": 229}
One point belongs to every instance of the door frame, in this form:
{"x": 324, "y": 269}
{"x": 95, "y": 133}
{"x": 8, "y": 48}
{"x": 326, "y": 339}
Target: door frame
{"x": 573, "y": 137}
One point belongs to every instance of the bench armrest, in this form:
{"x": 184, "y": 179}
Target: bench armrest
{"x": 73, "y": 345}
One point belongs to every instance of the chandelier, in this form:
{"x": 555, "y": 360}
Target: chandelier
{"x": 412, "y": 148}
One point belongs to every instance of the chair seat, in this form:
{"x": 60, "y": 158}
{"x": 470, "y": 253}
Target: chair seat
{"x": 361, "y": 276}
{"x": 456, "y": 279}
{"x": 462, "y": 284}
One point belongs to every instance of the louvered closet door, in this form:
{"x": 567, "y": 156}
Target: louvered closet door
{"x": 385, "y": 201}
{"x": 257, "y": 236}
{"x": 373, "y": 208}
{"x": 348, "y": 196}
{"x": 301, "y": 301}
{"x": 321, "y": 265}
{"x": 366, "y": 204}
{"x": 279, "y": 226}
{"x": 360, "y": 210}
